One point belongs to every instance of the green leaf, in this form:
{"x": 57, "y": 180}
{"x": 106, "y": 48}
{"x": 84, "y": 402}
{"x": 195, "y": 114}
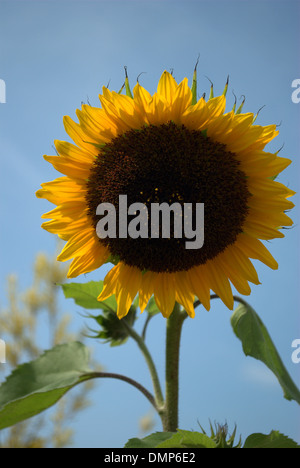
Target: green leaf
{"x": 272, "y": 440}
{"x": 188, "y": 439}
{"x": 85, "y": 295}
{"x": 152, "y": 308}
{"x": 179, "y": 439}
{"x": 35, "y": 386}
{"x": 151, "y": 441}
{"x": 257, "y": 343}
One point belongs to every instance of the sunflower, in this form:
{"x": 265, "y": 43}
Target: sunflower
{"x": 168, "y": 147}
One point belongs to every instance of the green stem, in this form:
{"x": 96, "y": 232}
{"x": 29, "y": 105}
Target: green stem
{"x": 173, "y": 335}
{"x": 215, "y": 296}
{"x": 159, "y": 400}
{"x": 134, "y": 383}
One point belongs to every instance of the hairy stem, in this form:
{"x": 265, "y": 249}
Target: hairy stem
{"x": 173, "y": 335}
{"x": 151, "y": 366}
{"x": 134, "y": 383}
{"x": 215, "y": 296}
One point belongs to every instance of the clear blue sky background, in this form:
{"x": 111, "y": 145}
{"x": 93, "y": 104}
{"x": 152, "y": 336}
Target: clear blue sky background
{"x": 53, "y": 56}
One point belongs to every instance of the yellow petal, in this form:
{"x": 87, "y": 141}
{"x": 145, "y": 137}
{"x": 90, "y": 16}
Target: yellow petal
{"x": 218, "y": 282}
{"x": 123, "y": 281}
{"x": 195, "y": 117}
{"x": 167, "y": 87}
{"x": 142, "y": 97}
{"x": 164, "y": 293}
{"x": 199, "y": 285}
{"x": 92, "y": 260}
{"x": 110, "y": 283}
{"x": 62, "y": 190}
{"x": 146, "y": 289}
{"x": 80, "y": 138}
{"x": 70, "y": 210}
{"x": 240, "y": 283}
{"x": 79, "y": 244}
{"x": 73, "y": 169}
{"x": 260, "y": 230}
{"x": 240, "y": 263}
{"x": 129, "y": 282}
{"x": 254, "y": 248}
{"x": 183, "y": 293}
{"x": 66, "y": 228}
{"x": 182, "y": 100}
{"x": 68, "y": 150}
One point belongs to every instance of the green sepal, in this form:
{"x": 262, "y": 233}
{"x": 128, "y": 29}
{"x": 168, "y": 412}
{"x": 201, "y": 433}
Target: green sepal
{"x": 194, "y": 85}
{"x": 239, "y": 110}
{"x": 219, "y": 435}
{"x": 121, "y": 89}
{"x": 226, "y": 87}
{"x": 127, "y": 87}
{"x": 234, "y": 105}
{"x": 276, "y": 152}
{"x": 211, "y": 92}
{"x": 113, "y": 330}
{"x": 256, "y": 115}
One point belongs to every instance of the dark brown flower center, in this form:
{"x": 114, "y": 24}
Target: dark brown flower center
{"x": 169, "y": 163}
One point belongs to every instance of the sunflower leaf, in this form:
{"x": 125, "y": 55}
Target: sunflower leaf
{"x": 188, "y": 439}
{"x": 150, "y": 441}
{"x": 257, "y": 343}
{"x": 35, "y": 386}
{"x": 179, "y": 439}
{"x": 273, "y": 440}
{"x": 85, "y": 295}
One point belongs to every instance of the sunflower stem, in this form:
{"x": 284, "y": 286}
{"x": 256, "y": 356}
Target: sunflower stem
{"x": 159, "y": 400}
{"x": 173, "y": 336}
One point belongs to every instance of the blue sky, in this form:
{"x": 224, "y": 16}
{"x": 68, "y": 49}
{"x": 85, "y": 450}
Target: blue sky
{"x": 55, "y": 55}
